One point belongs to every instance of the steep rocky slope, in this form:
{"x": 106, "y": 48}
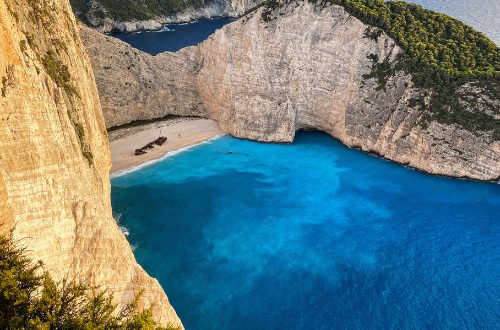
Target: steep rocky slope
{"x": 54, "y": 156}
{"x": 140, "y": 15}
{"x": 307, "y": 68}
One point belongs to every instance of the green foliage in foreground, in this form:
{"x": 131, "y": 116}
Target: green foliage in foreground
{"x": 441, "y": 53}
{"x": 31, "y": 299}
{"x": 129, "y": 10}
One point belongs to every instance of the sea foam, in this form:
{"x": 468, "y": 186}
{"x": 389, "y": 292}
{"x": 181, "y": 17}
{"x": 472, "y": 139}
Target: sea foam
{"x": 156, "y": 160}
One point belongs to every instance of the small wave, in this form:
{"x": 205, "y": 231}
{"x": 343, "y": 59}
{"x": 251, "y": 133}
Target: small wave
{"x": 168, "y": 154}
{"x": 117, "y": 217}
{"x": 124, "y": 230}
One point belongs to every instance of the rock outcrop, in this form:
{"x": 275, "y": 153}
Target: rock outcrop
{"x": 101, "y": 18}
{"x": 55, "y": 158}
{"x": 138, "y": 86}
{"x": 306, "y": 69}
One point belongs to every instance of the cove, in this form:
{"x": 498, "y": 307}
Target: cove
{"x": 313, "y": 235}
{"x": 174, "y": 36}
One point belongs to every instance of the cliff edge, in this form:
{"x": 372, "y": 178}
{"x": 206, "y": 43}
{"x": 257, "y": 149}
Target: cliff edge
{"x": 55, "y": 158}
{"x": 298, "y": 66}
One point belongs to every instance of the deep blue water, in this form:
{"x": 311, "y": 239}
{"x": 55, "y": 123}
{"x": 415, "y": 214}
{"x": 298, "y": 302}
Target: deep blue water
{"x": 313, "y": 235}
{"x": 174, "y": 37}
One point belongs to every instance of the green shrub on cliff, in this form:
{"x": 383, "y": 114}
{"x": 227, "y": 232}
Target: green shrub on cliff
{"x": 58, "y": 71}
{"x": 430, "y": 38}
{"x": 31, "y": 299}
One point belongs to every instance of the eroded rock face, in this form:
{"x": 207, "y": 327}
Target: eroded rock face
{"x": 304, "y": 69}
{"x": 54, "y": 156}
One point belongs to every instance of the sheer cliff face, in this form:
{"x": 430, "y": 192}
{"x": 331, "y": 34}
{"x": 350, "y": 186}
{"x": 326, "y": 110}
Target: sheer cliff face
{"x": 302, "y": 70}
{"x": 54, "y": 155}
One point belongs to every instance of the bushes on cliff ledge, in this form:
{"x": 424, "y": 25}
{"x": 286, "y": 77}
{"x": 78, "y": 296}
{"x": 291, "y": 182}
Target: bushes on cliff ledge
{"x": 31, "y": 299}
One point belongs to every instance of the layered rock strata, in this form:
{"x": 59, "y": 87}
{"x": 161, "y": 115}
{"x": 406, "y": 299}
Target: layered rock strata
{"x": 55, "y": 157}
{"x": 306, "y": 69}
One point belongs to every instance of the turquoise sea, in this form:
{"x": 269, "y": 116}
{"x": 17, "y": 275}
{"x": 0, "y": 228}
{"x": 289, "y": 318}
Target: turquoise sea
{"x": 313, "y": 235}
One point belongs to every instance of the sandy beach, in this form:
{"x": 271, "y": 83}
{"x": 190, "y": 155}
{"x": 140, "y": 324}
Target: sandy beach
{"x": 180, "y": 133}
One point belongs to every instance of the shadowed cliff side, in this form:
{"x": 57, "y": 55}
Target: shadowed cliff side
{"x": 55, "y": 158}
{"x": 310, "y": 67}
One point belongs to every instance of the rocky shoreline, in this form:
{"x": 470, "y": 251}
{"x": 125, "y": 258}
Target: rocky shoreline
{"x": 213, "y": 9}
{"x": 109, "y": 25}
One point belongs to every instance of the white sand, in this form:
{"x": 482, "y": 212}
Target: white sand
{"x": 180, "y": 133}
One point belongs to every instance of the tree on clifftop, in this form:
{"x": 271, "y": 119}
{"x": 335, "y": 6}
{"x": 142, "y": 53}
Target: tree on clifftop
{"x": 31, "y": 299}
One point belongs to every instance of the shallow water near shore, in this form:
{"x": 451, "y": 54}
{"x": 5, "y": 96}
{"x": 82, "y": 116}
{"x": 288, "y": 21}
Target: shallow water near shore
{"x": 313, "y": 235}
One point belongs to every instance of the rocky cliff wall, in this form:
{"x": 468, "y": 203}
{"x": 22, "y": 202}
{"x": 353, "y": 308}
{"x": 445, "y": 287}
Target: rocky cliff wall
{"x": 55, "y": 158}
{"x": 138, "y": 86}
{"x": 305, "y": 69}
